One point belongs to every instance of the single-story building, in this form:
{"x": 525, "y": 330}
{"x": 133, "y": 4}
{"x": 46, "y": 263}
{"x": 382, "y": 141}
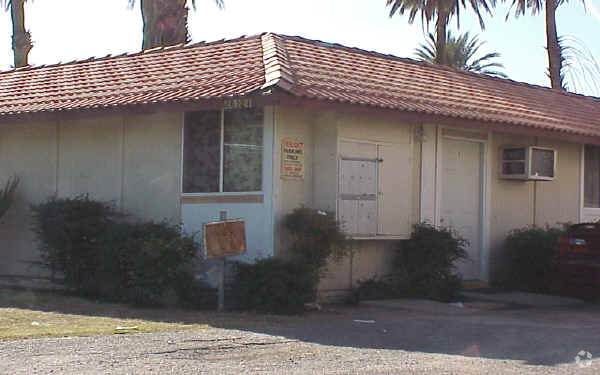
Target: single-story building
{"x": 260, "y": 125}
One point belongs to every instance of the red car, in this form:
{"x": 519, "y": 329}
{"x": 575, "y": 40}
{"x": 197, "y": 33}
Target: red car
{"x": 578, "y": 258}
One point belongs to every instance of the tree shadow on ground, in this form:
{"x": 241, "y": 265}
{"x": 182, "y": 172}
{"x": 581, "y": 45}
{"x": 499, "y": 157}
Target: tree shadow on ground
{"x": 549, "y": 336}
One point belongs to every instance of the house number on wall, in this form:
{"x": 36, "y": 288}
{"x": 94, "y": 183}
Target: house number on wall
{"x": 237, "y": 104}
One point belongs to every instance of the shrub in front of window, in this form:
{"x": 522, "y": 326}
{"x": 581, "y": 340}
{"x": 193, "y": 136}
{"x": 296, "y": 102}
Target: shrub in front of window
{"x": 7, "y": 194}
{"x": 425, "y": 264}
{"x": 529, "y": 253}
{"x": 103, "y": 253}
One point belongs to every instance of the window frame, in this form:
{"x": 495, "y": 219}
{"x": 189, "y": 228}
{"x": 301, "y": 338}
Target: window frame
{"x": 221, "y": 193}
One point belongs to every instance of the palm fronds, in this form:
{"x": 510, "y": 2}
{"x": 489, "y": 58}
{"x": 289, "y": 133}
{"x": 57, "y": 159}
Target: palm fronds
{"x": 7, "y": 194}
{"x": 580, "y": 69}
{"x": 461, "y": 52}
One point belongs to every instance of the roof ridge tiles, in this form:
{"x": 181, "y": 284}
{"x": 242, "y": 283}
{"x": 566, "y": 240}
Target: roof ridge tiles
{"x": 276, "y": 61}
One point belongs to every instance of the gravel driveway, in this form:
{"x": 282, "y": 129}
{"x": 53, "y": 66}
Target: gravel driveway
{"x": 508, "y": 341}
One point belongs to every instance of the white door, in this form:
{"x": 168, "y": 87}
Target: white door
{"x": 461, "y": 198}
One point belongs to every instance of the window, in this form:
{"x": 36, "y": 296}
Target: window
{"x": 223, "y": 151}
{"x": 592, "y": 177}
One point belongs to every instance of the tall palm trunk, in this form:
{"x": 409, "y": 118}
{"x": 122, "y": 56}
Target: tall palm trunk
{"x": 165, "y": 22}
{"x": 21, "y": 39}
{"x": 553, "y": 46}
{"x": 441, "y": 25}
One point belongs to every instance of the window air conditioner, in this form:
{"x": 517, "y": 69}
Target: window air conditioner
{"x": 528, "y": 163}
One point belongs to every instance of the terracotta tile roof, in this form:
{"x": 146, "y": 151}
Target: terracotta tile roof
{"x": 337, "y": 73}
{"x": 304, "y": 68}
{"x": 172, "y": 74}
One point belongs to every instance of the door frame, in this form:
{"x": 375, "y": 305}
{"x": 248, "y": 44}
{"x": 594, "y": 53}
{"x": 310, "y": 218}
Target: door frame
{"x": 484, "y": 139}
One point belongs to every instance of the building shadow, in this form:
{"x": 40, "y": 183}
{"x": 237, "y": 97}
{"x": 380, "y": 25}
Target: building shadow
{"x": 548, "y": 337}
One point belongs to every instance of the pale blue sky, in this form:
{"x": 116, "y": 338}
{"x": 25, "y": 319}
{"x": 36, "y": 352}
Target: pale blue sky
{"x": 64, "y": 30}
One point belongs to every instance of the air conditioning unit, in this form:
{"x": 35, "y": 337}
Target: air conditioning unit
{"x": 528, "y": 163}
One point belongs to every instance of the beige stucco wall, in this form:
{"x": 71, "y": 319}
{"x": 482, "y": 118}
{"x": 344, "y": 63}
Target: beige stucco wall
{"x": 516, "y": 204}
{"x": 511, "y": 204}
{"x": 152, "y": 165}
{"x": 321, "y": 130}
{"x": 549, "y": 209}
{"x": 134, "y": 160}
{"x": 29, "y": 151}
{"x": 292, "y": 124}
{"x": 130, "y": 160}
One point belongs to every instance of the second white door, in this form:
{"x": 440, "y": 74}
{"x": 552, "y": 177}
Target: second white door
{"x": 461, "y": 198}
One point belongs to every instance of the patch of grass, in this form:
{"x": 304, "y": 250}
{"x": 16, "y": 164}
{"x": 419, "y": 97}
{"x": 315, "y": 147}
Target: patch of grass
{"x": 22, "y": 323}
{"x": 60, "y": 314}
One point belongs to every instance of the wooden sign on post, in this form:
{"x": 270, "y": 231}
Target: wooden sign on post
{"x": 224, "y": 238}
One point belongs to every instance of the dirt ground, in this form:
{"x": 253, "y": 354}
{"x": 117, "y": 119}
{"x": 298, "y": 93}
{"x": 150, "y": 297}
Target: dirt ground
{"x": 340, "y": 340}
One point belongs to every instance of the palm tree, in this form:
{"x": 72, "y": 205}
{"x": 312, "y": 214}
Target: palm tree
{"x": 21, "y": 38}
{"x": 555, "y": 51}
{"x": 461, "y": 53}
{"x": 165, "y": 21}
{"x": 441, "y": 11}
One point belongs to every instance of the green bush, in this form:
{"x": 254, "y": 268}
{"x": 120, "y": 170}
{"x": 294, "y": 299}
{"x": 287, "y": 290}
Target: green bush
{"x": 103, "y": 253}
{"x": 316, "y": 237}
{"x": 425, "y": 264}
{"x": 529, "y": 253}
{"x": 73, "y": 235}
{"x": 284, "y": 286}
{"x": 7, "y": 194}
{"x": 155, "y": 258}
{"x": 272, "y": 286}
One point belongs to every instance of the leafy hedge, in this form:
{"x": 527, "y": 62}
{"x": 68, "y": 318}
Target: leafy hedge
{"x": 424, "y": 267}
{"x": 530, "y": 252}
{"x": 425, "y": 264}
{"x": 106, "y": 254}
{"x": 272, "y": 286}
{"x": 284, "y": 286}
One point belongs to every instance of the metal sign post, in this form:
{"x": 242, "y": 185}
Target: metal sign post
{"x": 221, "y": 285}
{"x": 221, "y": 239}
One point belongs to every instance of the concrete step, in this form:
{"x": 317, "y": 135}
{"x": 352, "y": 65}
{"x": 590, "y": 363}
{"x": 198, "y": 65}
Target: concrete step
{"x": 521, "y": 298}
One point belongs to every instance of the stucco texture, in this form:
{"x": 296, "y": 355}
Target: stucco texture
{"x": 517, "y": 204}
{"x": 321, "y": 132}
{"x": 126, "y": 159}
